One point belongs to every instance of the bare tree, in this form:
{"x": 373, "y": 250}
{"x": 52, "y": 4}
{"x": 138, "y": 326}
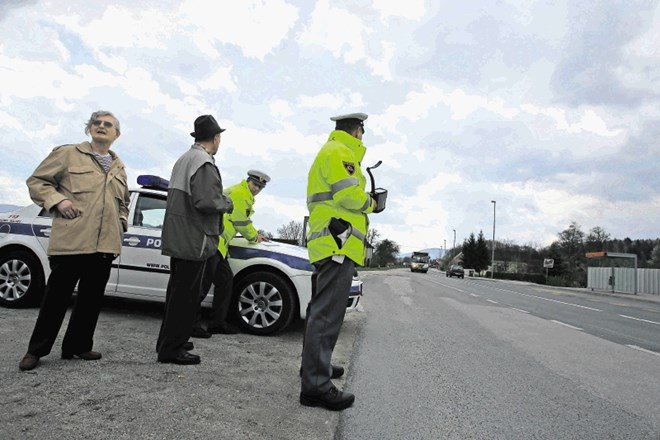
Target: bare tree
{"x": 597, "y": 239}
{"x": 372, "y": 237}
{"x": 291, "y": 231}
{"x": 266, "y": 234}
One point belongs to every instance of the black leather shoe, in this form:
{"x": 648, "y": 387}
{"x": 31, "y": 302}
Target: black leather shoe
{"x": 29, "y": 362}
{"x": 188, "y": 346}
{"x": 184, "y": 358}
{"x": 224, "y": 329}
{"x": 337, "y": 372}
{"x": 200, "y": 332}
{"x": 88, "y": 355}
{"x": 333, "y": 399}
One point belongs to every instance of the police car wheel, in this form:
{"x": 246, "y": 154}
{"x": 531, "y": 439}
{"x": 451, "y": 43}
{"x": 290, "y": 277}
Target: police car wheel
{"x": 263, "y": 303}
{"x": 21, "y": 279}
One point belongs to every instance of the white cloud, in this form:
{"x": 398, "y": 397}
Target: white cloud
{"x": 410, "y": 9}
{"x": 256, "y": 26}
{"x": 589, "y": 121}
{"x": 221, "y": 79}
{"x": 322, "y": 32}
{"x": 281, "y": 109}
{"x": 140, "y": 28}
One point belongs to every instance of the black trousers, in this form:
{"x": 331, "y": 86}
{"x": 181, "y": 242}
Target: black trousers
{"x": 91, "y": 273}
{"x": 331, "y": 286}
{"x": 181, "y": 304}
{"x": 219, "y": 273}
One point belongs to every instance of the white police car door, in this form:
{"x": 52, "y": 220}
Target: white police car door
{"x": 143, "y": 270}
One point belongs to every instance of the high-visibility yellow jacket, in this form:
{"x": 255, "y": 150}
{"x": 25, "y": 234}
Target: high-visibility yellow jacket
{"x": 336, "y": 190}
{"x": 239, "y": 219}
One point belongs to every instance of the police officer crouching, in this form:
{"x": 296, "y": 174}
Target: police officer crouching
{"x": 218, "y": 271}
{"x": 338, "y": 205}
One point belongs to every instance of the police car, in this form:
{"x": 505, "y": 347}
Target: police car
{"x": 272, "y": 280}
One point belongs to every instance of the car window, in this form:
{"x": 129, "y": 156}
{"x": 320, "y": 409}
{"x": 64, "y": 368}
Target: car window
{"x": 149, "y": 211}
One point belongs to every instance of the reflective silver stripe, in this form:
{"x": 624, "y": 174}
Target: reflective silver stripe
{"x": 325, "y": 231}
{"x": 319, "y": 197}
{"x": 343, "y": 184}
{"x": 242, "y": 223}
{"x": 334, "y": 189}
{"x": 315, "y": 235}
{"x": 357, "y": 234}
{"x": 366, "y": 204}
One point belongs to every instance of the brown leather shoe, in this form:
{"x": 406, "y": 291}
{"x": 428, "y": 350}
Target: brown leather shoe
{"x": 88, "y": 355}
{"x": 29, "y": 362}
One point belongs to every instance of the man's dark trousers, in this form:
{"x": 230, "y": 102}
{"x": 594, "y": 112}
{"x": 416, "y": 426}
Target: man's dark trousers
{"x": 219, "y": 273}
{"x": 181, "y": 304}
{"x": 91, "y": 273}
{"x": 325, "y": 315}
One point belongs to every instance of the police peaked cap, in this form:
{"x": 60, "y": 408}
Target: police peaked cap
{"x": 258, "y": 177}
{"x": 359, "y": 116}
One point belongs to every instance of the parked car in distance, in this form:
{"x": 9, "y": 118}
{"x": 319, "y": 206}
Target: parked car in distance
{"x": 455, "y": 271}
{"x": 272, "y": 281}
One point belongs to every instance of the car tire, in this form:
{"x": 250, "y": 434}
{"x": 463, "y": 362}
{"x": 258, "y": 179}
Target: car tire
{"x": 21, "y": 279}
{"x": 263, "y": 303}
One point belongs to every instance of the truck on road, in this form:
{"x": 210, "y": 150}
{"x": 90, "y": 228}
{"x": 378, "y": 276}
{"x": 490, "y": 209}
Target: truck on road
{"x": 419, "y": 262}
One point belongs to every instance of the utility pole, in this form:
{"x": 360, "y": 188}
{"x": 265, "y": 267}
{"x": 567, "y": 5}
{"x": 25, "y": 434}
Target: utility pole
{"x": 445, "y": 251}
{"x": 492, "y": 257}
{"x": 453, "y": 249}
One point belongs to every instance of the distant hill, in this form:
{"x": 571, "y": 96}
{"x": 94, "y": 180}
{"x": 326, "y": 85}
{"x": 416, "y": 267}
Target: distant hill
{"x": 8, "y": 208}
{"x": 434, "y": 253}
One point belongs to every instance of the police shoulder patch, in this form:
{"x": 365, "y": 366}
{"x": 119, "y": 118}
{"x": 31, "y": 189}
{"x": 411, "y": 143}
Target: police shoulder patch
{"x": 350, "y": 167}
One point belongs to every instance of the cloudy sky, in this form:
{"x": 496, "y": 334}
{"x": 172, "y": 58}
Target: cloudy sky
{"x": 551, "y": 108}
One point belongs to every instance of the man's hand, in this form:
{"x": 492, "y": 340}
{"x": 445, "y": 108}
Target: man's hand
{"x": 67, "y": 209}
{"x": 261, "y": 237}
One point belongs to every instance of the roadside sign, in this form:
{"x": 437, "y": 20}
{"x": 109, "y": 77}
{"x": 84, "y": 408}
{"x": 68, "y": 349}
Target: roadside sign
{"x": 549, "y": 263}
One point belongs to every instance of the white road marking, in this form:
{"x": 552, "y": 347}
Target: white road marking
{"x": 640, "y": 319}
{"x": 475, "y": 295}
{"x": 643, "y": 349}
{"x": 566, "y": 325}
{"x": 444, "y": 285}
{"x": 551, "y": 300}
{"x": 491, "y": 301}
{"x": 519, "y": 310}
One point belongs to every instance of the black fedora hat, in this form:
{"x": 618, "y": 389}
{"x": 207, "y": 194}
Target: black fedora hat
{"x": 205, "y": 127}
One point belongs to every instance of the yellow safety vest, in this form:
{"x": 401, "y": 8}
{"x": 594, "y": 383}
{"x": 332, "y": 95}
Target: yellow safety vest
{"x": 336, "y": 189}
{"x": 239, "y": 219}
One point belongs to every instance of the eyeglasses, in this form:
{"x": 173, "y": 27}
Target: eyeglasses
{"x": 106, "y": 124}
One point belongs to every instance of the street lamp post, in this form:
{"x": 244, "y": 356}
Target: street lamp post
{"x": 453, "y": 249}
{"x": 444, "y": 252}
{"x": 492, "y": 256}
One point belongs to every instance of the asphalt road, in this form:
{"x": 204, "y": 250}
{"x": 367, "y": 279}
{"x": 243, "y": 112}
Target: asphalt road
{"x": 428, "y": 358}
{"x": 441, "y": 358}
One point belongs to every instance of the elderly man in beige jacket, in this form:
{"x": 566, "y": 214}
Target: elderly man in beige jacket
{"x": 84, "y": 187}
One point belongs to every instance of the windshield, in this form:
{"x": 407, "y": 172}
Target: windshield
{"x": 420, "y": 258}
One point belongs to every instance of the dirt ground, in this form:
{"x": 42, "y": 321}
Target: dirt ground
{"x": 246, "y": 387}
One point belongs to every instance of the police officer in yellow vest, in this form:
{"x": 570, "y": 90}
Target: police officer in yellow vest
{"x": 338, "y": 206}
{"x": 220, "y": 274}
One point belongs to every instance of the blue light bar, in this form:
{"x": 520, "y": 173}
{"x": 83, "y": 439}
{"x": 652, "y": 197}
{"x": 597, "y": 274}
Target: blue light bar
{"x": 154, "y": 182}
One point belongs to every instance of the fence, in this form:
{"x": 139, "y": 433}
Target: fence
{"x": 622, "y": 279}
